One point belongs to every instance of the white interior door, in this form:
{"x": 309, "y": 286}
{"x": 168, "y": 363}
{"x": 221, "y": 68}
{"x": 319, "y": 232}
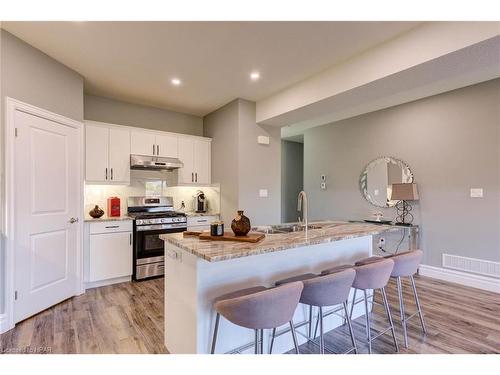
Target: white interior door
{"x": 119, "y": 155}
{"x": 47, "y": 170}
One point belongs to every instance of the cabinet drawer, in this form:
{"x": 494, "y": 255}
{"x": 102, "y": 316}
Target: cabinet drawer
{"x": 201, "y": 220}
{"x": 111, "y": 226}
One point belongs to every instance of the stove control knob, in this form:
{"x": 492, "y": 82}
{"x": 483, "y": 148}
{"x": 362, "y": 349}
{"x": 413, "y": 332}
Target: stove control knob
{"x": 139, "y": 221}
{"x": 164, "y": 220}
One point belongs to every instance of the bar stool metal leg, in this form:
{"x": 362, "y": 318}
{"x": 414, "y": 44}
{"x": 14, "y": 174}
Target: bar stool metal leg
{"x": 417, "y": 302}
{"x": 256, "y": 341}
{"x": 294, "y": 336}
{"x": 216, "y": 330}
{"x": 321, "y": 338}
{"x": 310, "y": 320}
{"x": 368, "y": 328}
{"x": 348, "y": 319}
{"x": 402, "y": 310}
{"x": 387, "y": 309}
{"x": 261, "y": 341}
{"x": 272, "y": 341}
{"x": 353, "y": 303}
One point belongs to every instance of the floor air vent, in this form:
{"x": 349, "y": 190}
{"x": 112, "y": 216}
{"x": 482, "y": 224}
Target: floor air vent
{"x": 479, "y": 266}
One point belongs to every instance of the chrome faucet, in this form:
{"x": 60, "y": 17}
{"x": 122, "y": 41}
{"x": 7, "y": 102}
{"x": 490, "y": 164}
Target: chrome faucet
{"x": 302, "y": 201}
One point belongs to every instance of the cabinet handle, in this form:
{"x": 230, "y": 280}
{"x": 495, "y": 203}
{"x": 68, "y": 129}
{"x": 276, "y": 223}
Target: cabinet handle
{"x": 192, "y": 177}
{"x": 202, "y": 221}
{"x": 196, "y": 177}
{"x": 153, "y": 149}
{"x": 111, "y": 173}
{"x": 130, "y": 236}
{"x": 157, "y": 149}
{"x": 106, "y": 173}
{"x": 112, "y": 226}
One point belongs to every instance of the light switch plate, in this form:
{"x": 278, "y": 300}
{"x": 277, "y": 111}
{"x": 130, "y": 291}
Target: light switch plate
{"x": 263, "y": 140}
{"x": 476, "y": 192}
{"x": 263, "y": 193}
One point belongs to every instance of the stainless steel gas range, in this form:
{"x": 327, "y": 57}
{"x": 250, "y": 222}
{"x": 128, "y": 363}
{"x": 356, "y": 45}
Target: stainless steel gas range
{"x": 152, "y": 216}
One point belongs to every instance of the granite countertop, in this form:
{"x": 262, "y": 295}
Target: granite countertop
{"x": 107, "y": 218}
{"x": 330, "y": 231}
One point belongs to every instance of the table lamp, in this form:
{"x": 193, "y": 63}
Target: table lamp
{"x": 404, "y": 193}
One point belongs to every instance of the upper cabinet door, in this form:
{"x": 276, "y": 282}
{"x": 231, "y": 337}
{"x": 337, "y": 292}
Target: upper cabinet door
{"x": 119, "y": 155}
{"x": 186, "y": 155}
{"x": 166, "y": 145}
{"x": 96, "y": 153}
{"x": 142, "y": 143}
{"x": 201, "y": 162}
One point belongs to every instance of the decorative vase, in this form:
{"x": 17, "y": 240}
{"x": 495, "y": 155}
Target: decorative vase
{"x": 240, "y": 224}
{"x": 96, "y": 212}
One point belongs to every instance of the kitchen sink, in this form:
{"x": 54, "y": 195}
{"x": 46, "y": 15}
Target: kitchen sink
{"x": 285, "y": 228}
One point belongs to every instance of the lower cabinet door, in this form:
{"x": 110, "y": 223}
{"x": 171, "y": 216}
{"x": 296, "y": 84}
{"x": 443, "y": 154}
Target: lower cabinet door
{"x": 110, "y": 256}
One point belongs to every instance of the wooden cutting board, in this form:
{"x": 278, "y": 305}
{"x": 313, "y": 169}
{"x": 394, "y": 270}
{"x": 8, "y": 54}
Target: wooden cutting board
{"x": 228, "y": 236}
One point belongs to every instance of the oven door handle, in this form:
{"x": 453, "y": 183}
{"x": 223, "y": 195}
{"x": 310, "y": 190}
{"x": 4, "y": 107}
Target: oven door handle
{"x": 145, "y": 228}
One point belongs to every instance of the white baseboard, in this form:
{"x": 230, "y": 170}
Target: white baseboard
{"x": 116, "y": 280}
{"x": 468, "y": 279}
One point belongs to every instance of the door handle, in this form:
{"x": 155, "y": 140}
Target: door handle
{"x": 153, "y": 149}
{"x": 157, "y": 149}
{"x": 106, "y": 173}
{"x": 111, "y": 173}
{"x": 196, "y": 177}
{"x": 192, "y": 177}
{"x": 73, "y": 220}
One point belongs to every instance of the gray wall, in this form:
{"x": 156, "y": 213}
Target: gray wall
{"x": 222, "y": 127}
{"x": 117, "y": 112}
{"x": 29, "y": 75}
{"x": 450, "y": 141}
{"x": 242, "y": 166}
{"x": 292, "y": 178}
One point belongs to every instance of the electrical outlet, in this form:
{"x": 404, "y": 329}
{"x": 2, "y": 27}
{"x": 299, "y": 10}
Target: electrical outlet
{"x": 323, "y": 186}
{"x": 263, "y": 193}
{"x": 323, "y": 177}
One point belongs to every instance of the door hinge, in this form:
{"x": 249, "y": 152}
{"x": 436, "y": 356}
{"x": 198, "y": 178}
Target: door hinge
{"x": 15, "y": 295}
{"x": 15, "y": 132}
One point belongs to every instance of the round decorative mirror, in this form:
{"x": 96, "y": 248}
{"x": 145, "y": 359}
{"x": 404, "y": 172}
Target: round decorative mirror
{"x": 376, "y": 180}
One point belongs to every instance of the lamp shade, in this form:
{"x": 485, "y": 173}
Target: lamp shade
{"x": 404, "y": 192}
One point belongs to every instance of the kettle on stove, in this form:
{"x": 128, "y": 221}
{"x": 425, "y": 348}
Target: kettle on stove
{"x": 200, "y": 202}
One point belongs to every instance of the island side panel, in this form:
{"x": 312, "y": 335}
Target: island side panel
{"x": 181, "y": 296}
{"x": 217, "y": 278}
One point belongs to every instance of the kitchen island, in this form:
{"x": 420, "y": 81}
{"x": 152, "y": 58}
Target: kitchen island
{"x": 197, "y": 271}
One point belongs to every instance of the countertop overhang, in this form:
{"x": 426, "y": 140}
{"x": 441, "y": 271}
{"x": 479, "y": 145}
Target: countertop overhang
{"x": 215, "y": 251}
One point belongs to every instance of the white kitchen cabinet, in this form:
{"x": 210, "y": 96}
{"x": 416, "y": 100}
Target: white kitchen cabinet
{"x": 142, "y": 143}
{"x": 109, "y": 252}
{"x": 200, "y": 223}
{"x": 107, "y": 154}
{"x": 154, "y": 144}
{"x": 195, "y": 154}
{"x": 96, "y": 153}
{"x": 167, "y": 145}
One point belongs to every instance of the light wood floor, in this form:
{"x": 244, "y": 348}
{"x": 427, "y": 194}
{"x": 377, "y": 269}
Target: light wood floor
{"x": 128, "y": 318}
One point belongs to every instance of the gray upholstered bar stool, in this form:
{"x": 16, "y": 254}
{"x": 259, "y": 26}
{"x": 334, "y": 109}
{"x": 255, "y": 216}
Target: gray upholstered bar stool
{"x": 322, "y": 291}
{"x": 406, "y": 265}
{"x": 259, "y": 308}
{"x": 374, "y": 274}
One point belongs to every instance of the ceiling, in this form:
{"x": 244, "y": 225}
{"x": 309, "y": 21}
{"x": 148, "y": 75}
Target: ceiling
{"x": 135, "y": 61}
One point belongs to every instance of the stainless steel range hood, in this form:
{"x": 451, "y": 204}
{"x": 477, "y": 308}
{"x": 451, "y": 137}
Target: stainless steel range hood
{"x": 154, "y": 163}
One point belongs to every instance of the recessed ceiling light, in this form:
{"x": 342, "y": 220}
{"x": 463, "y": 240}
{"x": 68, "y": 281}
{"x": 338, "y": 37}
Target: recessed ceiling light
{"x": 254, "y": 76}
{"x": 175, "y": 81}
